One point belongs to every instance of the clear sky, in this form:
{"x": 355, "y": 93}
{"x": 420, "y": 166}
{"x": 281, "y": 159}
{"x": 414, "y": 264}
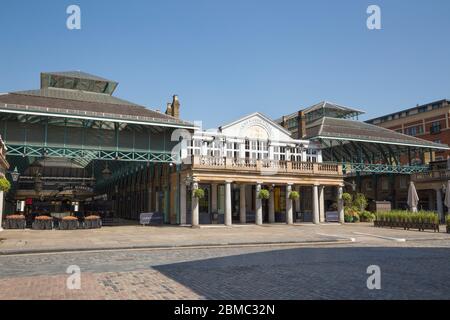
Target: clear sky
{"x": 228, "y": 58}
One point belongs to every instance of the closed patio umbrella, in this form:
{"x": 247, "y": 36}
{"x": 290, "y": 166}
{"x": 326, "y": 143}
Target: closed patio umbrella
{"x": 413, "y": 198}
{"x": 447, "y": 196}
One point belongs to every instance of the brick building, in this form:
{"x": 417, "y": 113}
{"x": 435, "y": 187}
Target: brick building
{"x": 429, "y": 122}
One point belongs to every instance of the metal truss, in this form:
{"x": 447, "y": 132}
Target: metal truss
{"x": 84, "y": 156}
{"x": 349, "y": 168}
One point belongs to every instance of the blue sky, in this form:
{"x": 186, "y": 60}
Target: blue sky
{"x": 229, "y": 58}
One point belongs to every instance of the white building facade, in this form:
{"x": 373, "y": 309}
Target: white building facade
{"x": 235, "y": 162}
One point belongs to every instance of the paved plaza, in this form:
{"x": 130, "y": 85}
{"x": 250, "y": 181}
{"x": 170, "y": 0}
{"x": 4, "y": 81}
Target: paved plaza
{"x": 413, "y": 265}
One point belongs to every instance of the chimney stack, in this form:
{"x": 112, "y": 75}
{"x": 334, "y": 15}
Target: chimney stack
{"x": 301, "y": 125}
{"x": 176, "y": 107}
{"x": 173, "y": 109}
{"x": 169, "y": 109}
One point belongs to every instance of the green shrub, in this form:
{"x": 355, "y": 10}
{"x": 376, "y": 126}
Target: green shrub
{"x": 408, "y": 217}
{"x": 367, "y": 216}
{"x": 199, "y": 193}
{"x": 348, "y": 199}
{"x": 348, "y": 218}
{"x": 264, "y": 194}
{"x": 5, "y": 185}
{"x": 360, "y": 202}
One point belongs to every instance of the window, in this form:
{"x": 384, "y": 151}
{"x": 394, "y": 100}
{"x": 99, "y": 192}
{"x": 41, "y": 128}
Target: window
{"x": 232, "y": 150}
{"x": 311, "y": 155}
{"x": 214, "y": 149}
{"x": 194, "y": 147}
{"x": 279, "y": 153}
{"x": 255, "y": 149}
{"x": 435, "y": 127}
{"x": 296, "y": 154}
{"x": 412, "y": 131}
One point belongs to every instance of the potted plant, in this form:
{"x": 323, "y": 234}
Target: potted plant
{"x": 43, "y": 223}
{"x": 264, "y": 194}
{"x": 199, "y": 193}
{"x": 92, "y": 222}
{"x": 68, "y": 223}
{"x": 294, "y": 195}
{"x": 5, "y": 185}
{"x": 15, "y": 221}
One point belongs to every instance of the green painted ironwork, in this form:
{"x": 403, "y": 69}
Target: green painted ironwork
{"x": 88, "y": 155}
{"x": 382, "y": 168}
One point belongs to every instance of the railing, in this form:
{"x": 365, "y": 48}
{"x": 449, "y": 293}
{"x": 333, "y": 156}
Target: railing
{"x": 265, "y": 166}
{"x": 434, "y": 175}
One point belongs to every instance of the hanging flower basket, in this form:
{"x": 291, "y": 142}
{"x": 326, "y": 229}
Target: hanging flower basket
{"x": 68, "y": 223}
{"x": 92, "y": 222}
{"x": 264, "y": 194}
{"x": 16, "y": 221}
{"x": 294, "y": 195}
{"x": 5, "y": 185}
{"x": 199, "y": 193}
{"x": 42, "y": 223}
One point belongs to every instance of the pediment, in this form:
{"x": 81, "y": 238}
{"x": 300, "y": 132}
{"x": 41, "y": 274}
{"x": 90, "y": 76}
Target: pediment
{"x": 256, "y": 126}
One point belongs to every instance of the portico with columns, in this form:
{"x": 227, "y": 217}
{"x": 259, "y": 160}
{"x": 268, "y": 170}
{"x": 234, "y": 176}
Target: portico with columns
{"x": 236, "y": 162}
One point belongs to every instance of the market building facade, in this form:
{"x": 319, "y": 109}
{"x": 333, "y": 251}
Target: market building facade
{"x": 238, "y": 160}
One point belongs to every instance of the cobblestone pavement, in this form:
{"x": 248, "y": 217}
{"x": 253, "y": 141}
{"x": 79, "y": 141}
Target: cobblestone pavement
{"x": 417, "y": 268}
{"x": 169, "y": 236}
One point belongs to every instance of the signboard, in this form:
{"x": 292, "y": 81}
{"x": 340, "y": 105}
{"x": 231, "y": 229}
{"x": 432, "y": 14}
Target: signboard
{"x": 145, "y": 218}
{"x": 332, "y": 216}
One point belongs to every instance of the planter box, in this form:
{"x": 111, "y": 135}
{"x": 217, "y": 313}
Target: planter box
{"x": 407, "y": 225}
{"x": 68, "y": 225}
{"x": 42, "y": 225}
{"x": 15, "y": 224}
{"x": 92, "y": 224}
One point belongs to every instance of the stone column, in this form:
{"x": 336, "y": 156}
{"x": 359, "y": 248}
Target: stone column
{"x": 289, "y": 216}
{"x": 228, "y": 217}
{"x": 439, "y": 206}
{"x": 258, "y": 205}
{"x": 214, "y": 198}
{"x": 322, "y": 204}
{"x": 271, "y": 206}
{"x": 2, "y": 195}
{"x": 315, "y": 204}
{"x": 195, "y": 208}
{"x": 182, "y": 203}
{"x": 340, "y": 204}
{"x": 242, "y": 208}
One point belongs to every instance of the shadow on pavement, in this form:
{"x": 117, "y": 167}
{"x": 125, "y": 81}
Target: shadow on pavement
{"x": 318, "y": 273}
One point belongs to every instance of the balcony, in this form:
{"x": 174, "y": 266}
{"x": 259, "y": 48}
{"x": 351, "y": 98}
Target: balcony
{"x": 431, "y": 176}
{"x": 265, "y": 167}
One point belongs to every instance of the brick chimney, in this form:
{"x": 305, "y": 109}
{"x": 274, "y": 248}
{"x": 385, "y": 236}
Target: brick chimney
{"x": 301, "y": 125}
{"x": 169, "y": 109}
{"x": 173, "y": 109}
{"x": 176, "y": 107}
